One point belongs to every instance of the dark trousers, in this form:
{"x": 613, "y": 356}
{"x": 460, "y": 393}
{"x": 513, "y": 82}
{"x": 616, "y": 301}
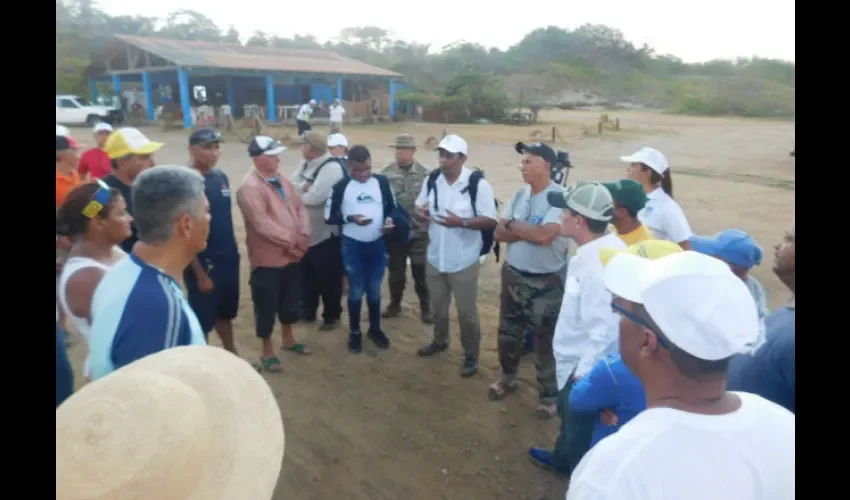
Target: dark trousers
{"x": 321, "y": 275}
{"x": 416, "y": 251}
{"x": 274, "y": 292}
{"x": 303, "y": 127}
{"x": 576, "y": 433}
{"x": 64, "y": 374}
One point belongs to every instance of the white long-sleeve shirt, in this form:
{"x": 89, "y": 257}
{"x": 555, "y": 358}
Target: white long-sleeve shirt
{"x": 305, "y": 112}
{"x": 587, "y": 328}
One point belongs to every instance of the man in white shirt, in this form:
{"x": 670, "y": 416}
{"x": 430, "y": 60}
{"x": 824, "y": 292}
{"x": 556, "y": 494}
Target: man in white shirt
{"x": 337, "y": 112}
{"x": 454, "y": 248}
{"x": 302, "y": 118}
{"x": 683, "y": 317}
{"x": 587, "y": 327}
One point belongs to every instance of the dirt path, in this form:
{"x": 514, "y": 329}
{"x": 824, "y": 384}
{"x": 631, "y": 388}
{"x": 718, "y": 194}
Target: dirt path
{"x": 389, "y": 425}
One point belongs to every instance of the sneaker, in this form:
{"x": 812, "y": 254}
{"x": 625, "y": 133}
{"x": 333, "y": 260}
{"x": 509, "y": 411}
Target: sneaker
{"x": 392, "y": 311}
{"x": 355, "y": 342}
{"x": 379, "y": 338}
{"x": 469, "y": 368}
{"x": 542, "y": 457}
{"x": 431, "y": 349}
{"x": 329, "y": 325}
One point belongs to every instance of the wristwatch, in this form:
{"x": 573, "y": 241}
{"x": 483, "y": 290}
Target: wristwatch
{"x": 465, "y": 222}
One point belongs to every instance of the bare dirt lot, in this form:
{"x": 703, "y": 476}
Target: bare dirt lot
{"x": 389, "y": 425}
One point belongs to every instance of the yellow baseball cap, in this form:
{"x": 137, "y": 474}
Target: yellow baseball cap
{"x": 649, "y": 249}
{"x": 129, "y": 141}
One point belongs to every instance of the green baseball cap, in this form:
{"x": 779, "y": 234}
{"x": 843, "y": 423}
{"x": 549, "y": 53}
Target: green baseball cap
{"x": 627, "y": 193}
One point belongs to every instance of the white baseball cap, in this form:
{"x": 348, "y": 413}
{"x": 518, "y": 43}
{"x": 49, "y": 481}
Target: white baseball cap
{"x": 265, "y": 145}
{"x": 696, "y": 301}
{"x": 102, "y": 127}
{"x": 62, "y": 130}
{"x": 454, "y": 144}
{"x": 312, "y": 101}
{"x": 652, "y": 158}
{"x": 337, "y": 140}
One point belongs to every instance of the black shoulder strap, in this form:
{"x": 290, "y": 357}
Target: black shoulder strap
{"x": 431, "y": 184}
{"x": 319, "y": 168}
{"x": 474, "y": 178}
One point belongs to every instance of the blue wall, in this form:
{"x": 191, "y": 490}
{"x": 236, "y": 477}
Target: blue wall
{"x": 322, "y": 91}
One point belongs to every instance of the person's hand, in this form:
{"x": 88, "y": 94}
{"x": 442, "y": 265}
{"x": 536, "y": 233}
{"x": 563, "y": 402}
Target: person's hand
{"x": 388, "y": 225}
{"x": 423, "y": 214}
{"x": 361, "y": 220}
{"x": 450, "y": 220}
{"x": 205, "y": 284}
{"x": 306, "y": 187}
{"x": 608, "y": 417}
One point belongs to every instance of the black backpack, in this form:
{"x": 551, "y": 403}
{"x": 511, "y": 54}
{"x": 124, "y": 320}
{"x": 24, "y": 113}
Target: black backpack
{"x": 488, "y": 240}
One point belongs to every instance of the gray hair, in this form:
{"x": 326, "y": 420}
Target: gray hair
{"x": 161, "y": 195}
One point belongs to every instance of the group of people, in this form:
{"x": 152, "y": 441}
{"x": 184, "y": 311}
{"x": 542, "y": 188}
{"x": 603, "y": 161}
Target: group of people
{"x": 647, "y": 324}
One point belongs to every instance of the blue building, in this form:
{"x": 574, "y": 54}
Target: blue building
{"x": 170, "y": 69}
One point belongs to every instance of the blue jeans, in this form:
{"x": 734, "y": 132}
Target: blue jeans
{"x": 64, "y": 374}
{"x": 365, "y": 264}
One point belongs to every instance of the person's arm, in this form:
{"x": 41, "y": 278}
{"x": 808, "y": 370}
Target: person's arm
{"x": 598, "y": 318}
{"x": 596, "y": 391}
{"x": 83, "y": 168}
{"x": 503, "y": 234}
{"x": 676, "y": 225}
{"x": 303, "y": 223}
{"x": 251, "y": 204}
{"x": 320, "y": 190}
{"x": 542, "y": 234}
{"x": 79, "y": 290}
{"x": 198, "y": 269}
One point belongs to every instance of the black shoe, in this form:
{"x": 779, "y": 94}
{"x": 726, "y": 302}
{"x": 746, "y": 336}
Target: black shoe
{"x": 329, "y": 325}
{"x": 355, "y": 342}
{"x": 379, "y": 338}
{"x": 469, "y": 368}
{"x": 431, "y": 349}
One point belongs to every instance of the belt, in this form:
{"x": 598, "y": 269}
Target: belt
{"x": 526, "y": 274}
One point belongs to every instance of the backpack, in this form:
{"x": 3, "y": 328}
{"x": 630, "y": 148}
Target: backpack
{"x": 488, "y": 240}
{"x": 342, "y": 163}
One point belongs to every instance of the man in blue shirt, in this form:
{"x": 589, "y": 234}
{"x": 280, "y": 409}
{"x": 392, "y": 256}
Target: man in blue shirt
{"x": 212, "y": 279}
{"x": 139, "y": 308}
{"x": 769, "y": 370}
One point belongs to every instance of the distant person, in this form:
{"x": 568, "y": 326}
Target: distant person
{"x": 683, "y": 317}
{"x": 131, "y": 153}
{"x": 662, "y": 214}
{"x": 337, "y": 112}
{"x": 407, "y": 177}
{"x": 95, "y": 163}
{"x": 532, "y": 283}
{"x": 302, "y": 118}
{"x": 367, "y": 210}
{"x": 629, "y": 199}
{"x": 769, "y": 370}
{"x": 139, "y": 307}
{"x": 212, "y": 278}
{"x": 454, "y": 248}
{"x": 277, "y": 235}
{"x": 67, "y": 159}
{"x": 321, "y": 268}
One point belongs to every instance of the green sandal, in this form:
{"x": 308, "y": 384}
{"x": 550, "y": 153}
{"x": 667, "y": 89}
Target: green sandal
{"x": 271, "y": 364}
{"x": 301, "y": 349}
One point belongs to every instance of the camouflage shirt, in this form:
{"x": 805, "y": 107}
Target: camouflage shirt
{"x": 406, "y": 183}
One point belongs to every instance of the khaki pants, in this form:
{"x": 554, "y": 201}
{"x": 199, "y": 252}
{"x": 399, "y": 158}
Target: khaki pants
{"x": 464, "y": 286}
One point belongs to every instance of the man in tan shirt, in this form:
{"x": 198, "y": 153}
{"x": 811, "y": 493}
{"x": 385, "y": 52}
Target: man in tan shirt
{"x": 277, "y": 237}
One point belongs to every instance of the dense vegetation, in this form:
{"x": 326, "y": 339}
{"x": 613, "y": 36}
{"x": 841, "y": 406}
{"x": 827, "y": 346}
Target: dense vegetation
{"x": 591, "y": 59}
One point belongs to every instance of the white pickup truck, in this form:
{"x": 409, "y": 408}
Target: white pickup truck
{"x": 76, "y": 110}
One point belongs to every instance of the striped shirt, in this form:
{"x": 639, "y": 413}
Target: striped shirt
{"x": 138, "y": 310}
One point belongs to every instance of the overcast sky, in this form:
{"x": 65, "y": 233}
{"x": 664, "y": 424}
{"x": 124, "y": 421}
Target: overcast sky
{"x": 693, "y": 31}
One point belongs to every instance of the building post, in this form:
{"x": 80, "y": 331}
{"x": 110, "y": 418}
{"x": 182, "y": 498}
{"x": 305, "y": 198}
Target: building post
{"x": 147, "y": 88}
{"x": 270, "y": 104}
{"x": 116, "y": 84}
{"x": 93, "y": 90}
{"x": 231, "y": 97}
{"x": 392, "y": 98}
{"x": 339, "y": 89}
{"x": 185, "y": 103}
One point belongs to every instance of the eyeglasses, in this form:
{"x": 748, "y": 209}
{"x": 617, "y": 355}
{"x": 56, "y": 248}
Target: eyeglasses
{"x": 634, "y": 318}
{"x": 98, "y": 200}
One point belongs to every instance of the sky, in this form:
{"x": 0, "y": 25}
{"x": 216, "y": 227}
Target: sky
{"x": 724, "y": 29}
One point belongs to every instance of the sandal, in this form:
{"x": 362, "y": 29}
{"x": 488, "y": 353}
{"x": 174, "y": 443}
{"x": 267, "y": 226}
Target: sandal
{"x": 301, "y": 349}
{"x": 501, "y": 389}
{"x": 271, "y": 364}
{"x": 546, "y": 411}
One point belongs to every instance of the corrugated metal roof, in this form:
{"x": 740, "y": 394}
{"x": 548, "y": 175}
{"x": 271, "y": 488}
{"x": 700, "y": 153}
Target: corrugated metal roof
{"x": 216, "y": 55}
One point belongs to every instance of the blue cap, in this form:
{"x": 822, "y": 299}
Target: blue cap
{"x": 732, "y": 245}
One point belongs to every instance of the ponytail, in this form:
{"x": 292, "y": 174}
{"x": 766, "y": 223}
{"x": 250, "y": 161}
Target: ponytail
{"x": 666, "y": 180}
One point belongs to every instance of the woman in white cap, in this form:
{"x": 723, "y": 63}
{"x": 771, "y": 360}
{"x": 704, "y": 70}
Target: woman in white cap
{"x": 662, "y": 214}
{"x": 188, "y": 423}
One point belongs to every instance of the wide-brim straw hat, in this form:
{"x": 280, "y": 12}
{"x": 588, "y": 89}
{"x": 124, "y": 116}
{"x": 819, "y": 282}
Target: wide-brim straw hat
{"x": 188, "y": 423}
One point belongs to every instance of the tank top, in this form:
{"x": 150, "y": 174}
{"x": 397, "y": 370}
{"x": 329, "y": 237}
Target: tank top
{"x": 82, "y": 325}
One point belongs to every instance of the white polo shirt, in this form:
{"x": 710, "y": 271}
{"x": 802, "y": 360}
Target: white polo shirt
{"x": 664, "y": 217}
{"x": 337, "y": 112}
{"x": 454, "y": 249}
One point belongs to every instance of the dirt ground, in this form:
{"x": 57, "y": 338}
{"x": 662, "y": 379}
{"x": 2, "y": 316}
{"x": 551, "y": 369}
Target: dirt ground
{"x": 390, "y": 425}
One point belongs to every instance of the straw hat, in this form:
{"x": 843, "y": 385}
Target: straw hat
{"x": 187, "y": 423}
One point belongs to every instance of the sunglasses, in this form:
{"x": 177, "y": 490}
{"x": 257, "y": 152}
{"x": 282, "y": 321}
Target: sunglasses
{"x": 634, "y": 318}
{"x": 98, "y": 201}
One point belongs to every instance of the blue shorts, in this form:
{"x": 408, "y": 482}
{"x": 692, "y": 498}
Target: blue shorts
{"x": 223, "y": 301}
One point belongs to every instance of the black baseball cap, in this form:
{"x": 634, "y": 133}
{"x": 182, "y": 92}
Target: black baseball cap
{"x": 538, "y": 149}
{"x": 64, "y": 143}
{"x": 204, "y": 136}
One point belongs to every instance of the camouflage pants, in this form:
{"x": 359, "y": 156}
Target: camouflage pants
{"x": 416, "y": 250}
{"x": 530, "y": 302}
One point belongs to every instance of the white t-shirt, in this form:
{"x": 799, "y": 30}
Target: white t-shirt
{"x": 304, "y": 112}
{"x": 667, "y": 454}
{"x": 363, "y": 199}
{"x": 665, "y": 218}
{"x": 337, "y": 112}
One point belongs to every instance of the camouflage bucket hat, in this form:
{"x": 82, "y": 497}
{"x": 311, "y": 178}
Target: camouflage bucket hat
{"x": 404, "y": 141}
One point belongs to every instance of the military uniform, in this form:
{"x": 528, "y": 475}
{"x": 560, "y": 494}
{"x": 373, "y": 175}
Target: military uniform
{"x": 406, "y": 182}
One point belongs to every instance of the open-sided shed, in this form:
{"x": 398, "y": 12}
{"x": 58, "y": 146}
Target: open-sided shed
{"x": 286, "y": 75}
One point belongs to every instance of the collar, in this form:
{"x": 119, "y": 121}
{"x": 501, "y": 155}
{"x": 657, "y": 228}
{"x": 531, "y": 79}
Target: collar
{"x": 655, "y": 193}
{"x": 263, "y": 178}
{"x": 593, "y": 247}
{"x": 462, "y": 179}
{"x": 135, "y": 258}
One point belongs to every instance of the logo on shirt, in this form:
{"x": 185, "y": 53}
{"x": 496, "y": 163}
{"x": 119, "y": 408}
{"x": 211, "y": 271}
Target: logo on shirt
{"x": 365, "y": 198}
{"x": 647, "y": 210}
{"x": 225, "y": 190}
{"x": 535, "y": 219}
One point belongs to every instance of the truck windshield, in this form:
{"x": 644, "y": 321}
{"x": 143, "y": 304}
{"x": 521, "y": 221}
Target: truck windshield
{"x": 83, "y": 101}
